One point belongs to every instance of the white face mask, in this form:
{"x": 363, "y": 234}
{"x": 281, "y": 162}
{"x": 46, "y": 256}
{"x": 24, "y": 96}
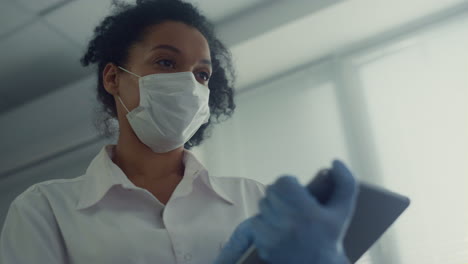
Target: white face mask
{"x": 172, "y": 108}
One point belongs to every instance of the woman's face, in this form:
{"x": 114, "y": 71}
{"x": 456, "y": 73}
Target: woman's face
{"x": 166, "y": 48}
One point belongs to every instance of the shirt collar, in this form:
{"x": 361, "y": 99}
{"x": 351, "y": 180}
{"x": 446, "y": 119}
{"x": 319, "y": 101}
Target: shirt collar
{"x": 102, "y": 174}
{"x": 194, "y": 167}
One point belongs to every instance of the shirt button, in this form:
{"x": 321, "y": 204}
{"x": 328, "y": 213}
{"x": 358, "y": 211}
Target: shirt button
{"x": 188, "y": 256}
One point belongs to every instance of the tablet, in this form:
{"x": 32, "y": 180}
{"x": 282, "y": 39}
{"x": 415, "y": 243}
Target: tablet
{"x": 376, "y": 209}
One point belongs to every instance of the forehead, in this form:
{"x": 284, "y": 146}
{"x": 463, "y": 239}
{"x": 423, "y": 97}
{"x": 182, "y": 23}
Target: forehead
{"x": 184, "y": 37}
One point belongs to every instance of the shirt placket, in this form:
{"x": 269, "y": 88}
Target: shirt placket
{"x": 171, "y": 216}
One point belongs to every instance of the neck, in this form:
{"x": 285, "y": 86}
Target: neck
{"x": 143, "y": 166}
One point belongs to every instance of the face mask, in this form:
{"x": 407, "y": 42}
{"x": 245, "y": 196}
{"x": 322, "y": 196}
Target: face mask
{"x": 172, "y": 108}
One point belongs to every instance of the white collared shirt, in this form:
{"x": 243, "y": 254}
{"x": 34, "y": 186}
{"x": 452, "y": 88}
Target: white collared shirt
{"x": 102, "y": 217}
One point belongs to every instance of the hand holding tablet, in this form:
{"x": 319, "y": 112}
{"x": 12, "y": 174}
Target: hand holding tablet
{"x": 294, "y": 228}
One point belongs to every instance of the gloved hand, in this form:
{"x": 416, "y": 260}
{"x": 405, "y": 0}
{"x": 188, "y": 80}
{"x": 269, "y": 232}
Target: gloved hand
{"x": 293, "y": 227}
{"x": 240, "y": 240}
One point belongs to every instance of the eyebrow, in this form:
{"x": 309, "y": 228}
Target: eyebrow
{"x": 176, "y": 50}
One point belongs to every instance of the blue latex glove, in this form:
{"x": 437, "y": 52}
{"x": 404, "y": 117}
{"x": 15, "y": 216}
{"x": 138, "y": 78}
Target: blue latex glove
{"x": 293, "y": 227}
{"x": 240, "y": 240}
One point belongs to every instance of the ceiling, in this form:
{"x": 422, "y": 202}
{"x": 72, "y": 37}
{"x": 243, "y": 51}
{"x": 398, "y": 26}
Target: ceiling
{"x": 41, "y": 41}
{"x": 342, "y": 27}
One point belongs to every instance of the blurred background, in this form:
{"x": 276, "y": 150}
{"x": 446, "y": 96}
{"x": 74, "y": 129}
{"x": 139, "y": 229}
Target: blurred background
{"x": 382, "y": 85}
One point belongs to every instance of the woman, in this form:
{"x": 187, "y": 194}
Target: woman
{"x": 165, "y": 77}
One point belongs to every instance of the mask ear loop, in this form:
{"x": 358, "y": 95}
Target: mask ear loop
{"x": 118, "y": 96}
{"x": 127, "y": 71}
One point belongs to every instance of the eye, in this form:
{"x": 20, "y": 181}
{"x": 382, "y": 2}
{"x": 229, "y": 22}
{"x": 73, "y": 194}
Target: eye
{"x": 204, "y": 76}
{"x": 166, "y": 63}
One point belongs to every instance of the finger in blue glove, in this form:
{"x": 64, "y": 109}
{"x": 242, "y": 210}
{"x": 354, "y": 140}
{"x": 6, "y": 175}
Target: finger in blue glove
{"x": 240, "y": 240}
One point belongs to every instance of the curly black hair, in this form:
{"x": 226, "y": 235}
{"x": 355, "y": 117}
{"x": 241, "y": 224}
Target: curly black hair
{"x": 127, "y": 25}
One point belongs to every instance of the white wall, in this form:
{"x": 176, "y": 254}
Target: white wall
{"x": 287, "y": 126}
{"x": 416, "y": 92}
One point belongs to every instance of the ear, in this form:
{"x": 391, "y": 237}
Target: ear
{"x": 110, "y": 79}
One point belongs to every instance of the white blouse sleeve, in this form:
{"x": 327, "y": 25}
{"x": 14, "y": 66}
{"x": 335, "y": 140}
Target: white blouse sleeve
{"x": 30, "y": 233}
